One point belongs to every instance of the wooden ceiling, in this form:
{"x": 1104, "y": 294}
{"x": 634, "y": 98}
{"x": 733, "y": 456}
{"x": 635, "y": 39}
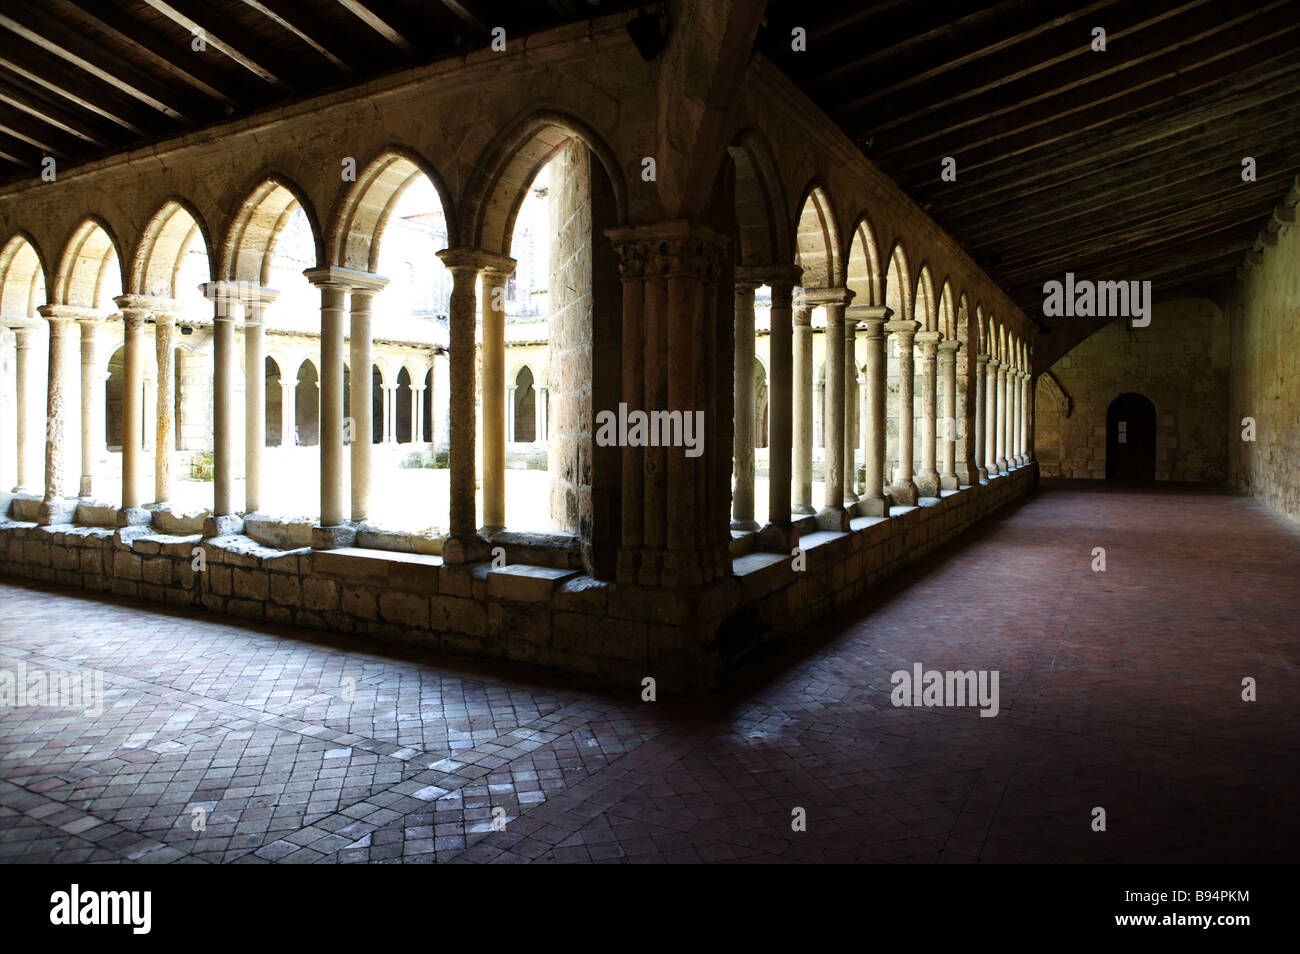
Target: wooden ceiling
{"x": 1123, "y": 164}
{"x": 92, "y": 77}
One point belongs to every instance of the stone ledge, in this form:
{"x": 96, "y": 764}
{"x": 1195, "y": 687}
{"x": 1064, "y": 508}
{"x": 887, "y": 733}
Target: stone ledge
{"x": 522, "y": 583}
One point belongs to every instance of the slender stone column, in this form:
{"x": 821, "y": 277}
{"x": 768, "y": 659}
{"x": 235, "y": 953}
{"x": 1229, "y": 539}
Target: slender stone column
{"x": 780, "y": 406}
{"x": 1001, "y": 392}
{"x": 540, "y": 424}
{"x": 927, "y": 481}
{"x": 873, "y": 502}
{"x": 361, "y": 384}
{"x": 742, "y": 497}
{"x": 288, "y": 413}
{"x": 633, "y": 258}
{"x": 512, "y": 409}
{"x": 334, "y": 285}
{"x": 385, "y": 414}
{"x": 28, "y": 474}
{"x": 92, "y": 417}
{"x": 1027, "y": 423}
{"x": 948, "y": 368}
{"x": 256, "y": 301}
{"x": 56, "y": 507}
{"x": 224, "y": 297}
{"x": 991, "y": 417}
{"x": 494, "y": 396}
{"x": 133, "y": 409}
{"x": 850, "y": 405}
{"x": 803, "y": 404}
{"x": 417, "y": 425}
{"x": 833, "y": 516}
{"x": 904, "y": 490}
{"x": 1020, "y": 418}
{"x": 981, "y": 429}
{"x": 464, "y": 264}
{"x": 164, "y": 331}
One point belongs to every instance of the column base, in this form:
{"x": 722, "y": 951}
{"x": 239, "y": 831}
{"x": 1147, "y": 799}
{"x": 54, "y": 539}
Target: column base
{"x": 1003, "y": 466}
{"x": 803, "y": 510}
{"x": 488, "y": 532}
{"x": 982, "y": 474}
{"x": 927, "y": 484}
{"x": 223, "y": 525}
{"x": 461, "y": 550}
{"x": 873, "y": 505}
{"x": 850, "y": 498}
{"x": 56, "y": 510}
{"x": 833, "y": 518}
{"x": 904, "y": 494}
{"x": 744, "y": 526}
{"x": 777, "y": 538}
{"x": 949, "y": 482}
{"x": 331, "y": 538}
{"x": 134, "y": 517}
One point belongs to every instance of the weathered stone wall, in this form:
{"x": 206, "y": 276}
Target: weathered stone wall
{"x": 1180, "y": 362}
{"x": 1265, "y": 320}
{"x": 550, "y": 616}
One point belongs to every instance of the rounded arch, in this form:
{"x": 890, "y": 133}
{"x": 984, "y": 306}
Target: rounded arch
{"x": 160, "y": 251}
{"x": 512, "y": 160}
{"x": 86, "y": 276}
{"x": 24, "y": 276}
{"x": 761, "y": 226}
{"x": 863, "y": 272}
{"x": 264, "y": 212}
{"x": 817, "y": 239}
{"x": 898, "y": 284}
{"x": 924, "y": 308}
{"x": 364, "y": 209}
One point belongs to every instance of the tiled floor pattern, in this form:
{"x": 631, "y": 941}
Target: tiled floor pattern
{"x": 1119, "y": 689}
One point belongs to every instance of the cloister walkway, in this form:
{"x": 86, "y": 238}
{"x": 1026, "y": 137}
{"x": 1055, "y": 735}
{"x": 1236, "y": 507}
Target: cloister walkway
{"x": 1119, "y": 689}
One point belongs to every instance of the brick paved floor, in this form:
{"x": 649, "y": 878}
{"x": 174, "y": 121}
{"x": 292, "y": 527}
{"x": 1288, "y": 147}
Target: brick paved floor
{"x": 1118, "y": 689}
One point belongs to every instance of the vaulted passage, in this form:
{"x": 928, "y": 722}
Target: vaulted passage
{"x": 1109, "y": 696}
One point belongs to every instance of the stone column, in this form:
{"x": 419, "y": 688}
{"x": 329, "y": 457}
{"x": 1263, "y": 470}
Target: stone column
{"x": 991, "y": 416}
{"x": 464, "y": 264}
{"x": 1000, "y": 391}
{"x": 417, "y": 425}
{"x": 742, "y": 497}
{"x": 92, "y": 415}
{"x": 256, "y": 301}
{"x": 133, "y": 407}
{"x": 832, "y": 515}
{"x": 904, "y": 490}
{"x": 385, "y": 414}
{"x": 56, "y": 507}
{"x": 850, "y": 405}
{"x": 873, "y": 502}
{"x": 361, "y": 383}
{"x": 927, "y": 481}
{"x": 1027, "y": 434}
{"x": 948, "y": 367}
{"x": 633, "y": 261}
{"x": 981, "y": 430}
{"x": 511, "y": 411}
{"x": 494, "y": 395}
{"x": 224, "y": 297}
{"x": 1019, "y": 434}
{"x": 803, "y": 404}
{"x": 288, "y": 412}
{"x": 164, "y": 331}
{"x": 778, "y": 534}
{"x": 540, "y": 424}
{"x": 334, "y": 284}
{"x": 28, "y": 474}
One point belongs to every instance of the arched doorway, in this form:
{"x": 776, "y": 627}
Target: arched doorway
{"x": 307, "y": 405}
{"x": 1131, "y": 438}
{"x": 525, "y": 407}
{"x": 402, "y": 412}
{"x": 274, "y": 404}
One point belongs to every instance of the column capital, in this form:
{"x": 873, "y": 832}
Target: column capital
{"x": 347, "y": 279}
{"x": 928, "y": 342}
{"x": 154, "y": 305}
{"x": 949, "y": 346}
{"x": 678, "y": 248}
{"x": 69, "y": 313}
{"x": 869, "y": 313}
{"x": 475, "y": 258}
{"x": 827, "y": 296}
{"x": 771, "y": 275}
{"x": 981, "y": 360}
{"x": 907, "y": 328}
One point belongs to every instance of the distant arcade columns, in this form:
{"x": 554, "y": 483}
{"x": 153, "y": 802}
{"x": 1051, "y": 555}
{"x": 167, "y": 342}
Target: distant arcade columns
{"x": 26, "y": 339}
{"x": 873, "y": 503}
{"x": 833, "y": 516}
{"x": 56, "y": 505}
{"x": 904, "y": 490}
{"x": 981, "y": 426}
{"x": 1000, "y": 390}
{"x": 948, "y": 476}
{"x": 927, "y": 481}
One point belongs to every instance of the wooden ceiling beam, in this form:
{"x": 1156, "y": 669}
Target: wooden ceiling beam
{"x": 220, "y": 34}
{"x": 307, "y": 25}
{"x": 43, "y": 109}
{"x": 387, "y": 22}
{"x": 29, "y": 66}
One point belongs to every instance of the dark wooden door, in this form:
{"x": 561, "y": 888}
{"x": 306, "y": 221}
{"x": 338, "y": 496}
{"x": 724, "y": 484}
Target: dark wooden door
{"x": 1131, "y": 438}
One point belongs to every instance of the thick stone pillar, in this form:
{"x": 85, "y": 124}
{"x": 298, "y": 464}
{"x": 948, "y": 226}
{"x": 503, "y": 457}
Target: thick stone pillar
{"x": 56, "y": 507}
{"x": 1000, "y": 390}
{"x": 92, "y": 413}
{"x": 494, "y": 396}
{"x": 334, "y": 284}
{"x": 256, "y": 301}
{"x": 742, "y": 497}
{"x": 27, "y": 427}
{"x": 850, "y": 406}
{"x": 164, "y": 331}
{"x": 225, "y": 299}
{"x": 463, "y": 542}
{"x": 948, "y": 369}
{"x": 803, "y": 405}
{"x": 903, "y": 490}
{"x": 361, "y": 384}
{"x": 981, "y": 428}
{"x": 927, "y": 481}
{"x": 873, "y": 502}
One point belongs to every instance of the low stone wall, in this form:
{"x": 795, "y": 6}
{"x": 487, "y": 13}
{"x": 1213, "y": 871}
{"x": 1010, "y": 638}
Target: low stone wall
{"x": 550, "y": 616}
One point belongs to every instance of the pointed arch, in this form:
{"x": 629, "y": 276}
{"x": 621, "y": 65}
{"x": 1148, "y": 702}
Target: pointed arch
{"x": 817, "y": 240}
{"x": 761, "y": 225}
{"x": 250, "y": 242}
{"x": 24, "y": 276}
{"x": 509, "y": 164}
{"x": 362, "y": 212}
{"x": 898, "y": 284}
{"x": 863, "y": 274}
{"x": 160, "y": 253}
{"x": 924, "y": 308}
{"x": 947, "y": 318}
{"x": 92, "y": 270}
